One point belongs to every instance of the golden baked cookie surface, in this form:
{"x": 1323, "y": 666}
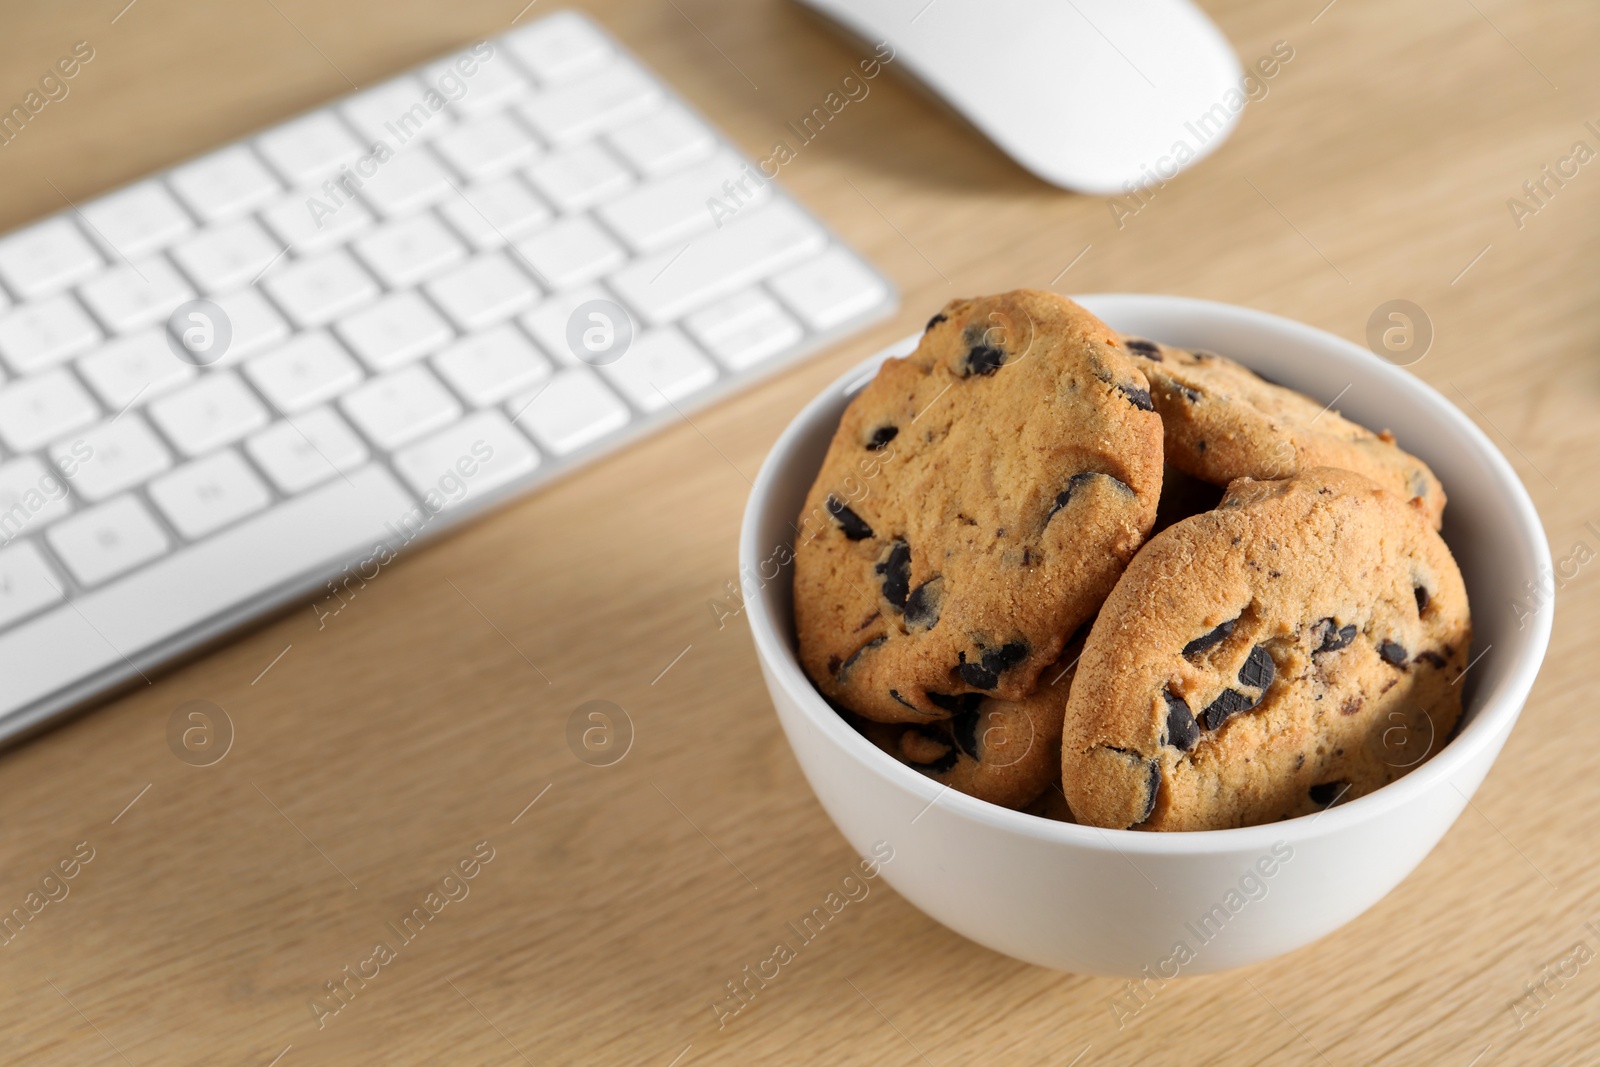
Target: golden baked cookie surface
{"x": 1007, "y": 752}
{"x": 976, "y": 505}
{"x": 1222, "y": 421}
{"x": 1295, "y": 647}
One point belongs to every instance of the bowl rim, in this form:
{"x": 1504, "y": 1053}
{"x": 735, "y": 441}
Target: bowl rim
{"x": 1496, "y": 714}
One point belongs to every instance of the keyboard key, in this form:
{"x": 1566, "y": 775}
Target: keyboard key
{"x": 107, "y": 540}
{"x": 309, "y": 149}
{"x": 491, "y": 366}
{"x": 570, "y": 252}
{"x": 395, "y": 112}
{"x": 571, "y": 410}
{"x": 548, "y": 322}
{"x": 45, "y": 406}
{"x": 136, "y": 368}
{"x": 255, "y": 324}
{"x": 315, "y": 291}
{"x": 591, "y": 103}
{"x": 487, "y": 147}
{"x": 170, "y": 598}
{"x": 111, "y": 457}
{"x": 46, "y": 257}
{"x": 397, "y": 329}
{"x": 138, "y": 220}
{"x": 830, "y": 290}
{"x": 308, "y": 371}
{"x": 228, "y": 257}
{"x": 208, "y": 494}
{"x": 409, "y": 181}
{"x": 663, "y": 141}
{"x": 214, "y": 411}
{"x": 400, "y": 407}
{"x": 492, "y": 214}
{"x": 659, "y": 368}
{"x": 404, "y": 253}
{"x": 578, "y": 177}
{"x": 292, "y": 221}
{"x": 559, "y": 47}
{"x": 744, "y": 329}
{"x": 760, "y": 242}
{"x": 27, "y": 583}
{"x": 306, "y": 450}
{"x": 671, "y": 210}
{"x": 225, "y": 184}
{"x": 483, "y": 292}
{"x": 32, "y": 496}
{"x": 475, "y": 456}
{"x": 134, "y": 295}
{"x": 45, "y": 332}
{"x": 486, "y": 79}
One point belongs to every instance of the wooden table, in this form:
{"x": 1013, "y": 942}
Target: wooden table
{"x": 380, "y": 750}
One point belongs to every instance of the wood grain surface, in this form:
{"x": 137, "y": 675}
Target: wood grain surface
{"x": 382, "y": 749}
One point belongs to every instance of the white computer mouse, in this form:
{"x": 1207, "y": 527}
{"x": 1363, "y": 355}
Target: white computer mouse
{"x": 1098, "y": 96}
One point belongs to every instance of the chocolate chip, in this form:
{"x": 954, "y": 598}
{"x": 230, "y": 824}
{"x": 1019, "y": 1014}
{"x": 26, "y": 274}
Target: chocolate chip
{"x": 1139, "y": 398}
{"x": 1230, "y": 703}
{"x": 847, "y": 664}
{"x": 1258, "y": 670}
{"x": 957, "y": 702}
{"x": 941, "y": 763}
{"x": 1182, "y": 731}
{"x": 984, "y": 360}
{"x": 1200, "y": 446}
{"x": 896, "y": 571}
{"x": 1324, "y": 793}
{"x": 898, "y": 699}
{"x": 1147, "y": 349}
{"x": 936, "y": 320}
{"x": 1422, "y": 598}
{"x": 1077, "y": 480}
{"x": 964, "y": 728}
{"x": 1433, "y": 659}
{"x": 985, "y": 674}
{"x": 1206, "y": 640}
{"x": 1193, "y": 397}
{"x": 1393, "y": 653}
{"x": 882, "y": 436}
{"x": 1153, "y": 786}
{"x": 922, "y": 606}
{"x": 849, "y": 521}
{"x": 1336, "y": 636}
{"x": 1352, "y": 705}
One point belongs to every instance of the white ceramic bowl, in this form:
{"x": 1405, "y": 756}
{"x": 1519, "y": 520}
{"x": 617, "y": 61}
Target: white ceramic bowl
{"x": 1122, "y": 902}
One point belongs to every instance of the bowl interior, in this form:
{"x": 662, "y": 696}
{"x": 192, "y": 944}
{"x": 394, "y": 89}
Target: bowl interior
{"x": 1490, "y": 523}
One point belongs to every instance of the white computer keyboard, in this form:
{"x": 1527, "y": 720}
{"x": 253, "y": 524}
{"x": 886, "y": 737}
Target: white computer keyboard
{"x": 229, "y": 383}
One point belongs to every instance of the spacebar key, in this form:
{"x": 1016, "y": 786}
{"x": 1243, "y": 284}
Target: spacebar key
{"x": 223, "y": 579}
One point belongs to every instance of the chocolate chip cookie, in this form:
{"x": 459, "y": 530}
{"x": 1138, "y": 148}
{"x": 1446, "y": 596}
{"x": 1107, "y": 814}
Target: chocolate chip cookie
{"x": 1317, "y": 660}
{"x": 976, "y": 505}
{"x": 1222, "y": 421}
{"x": 1003, "y": 751}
